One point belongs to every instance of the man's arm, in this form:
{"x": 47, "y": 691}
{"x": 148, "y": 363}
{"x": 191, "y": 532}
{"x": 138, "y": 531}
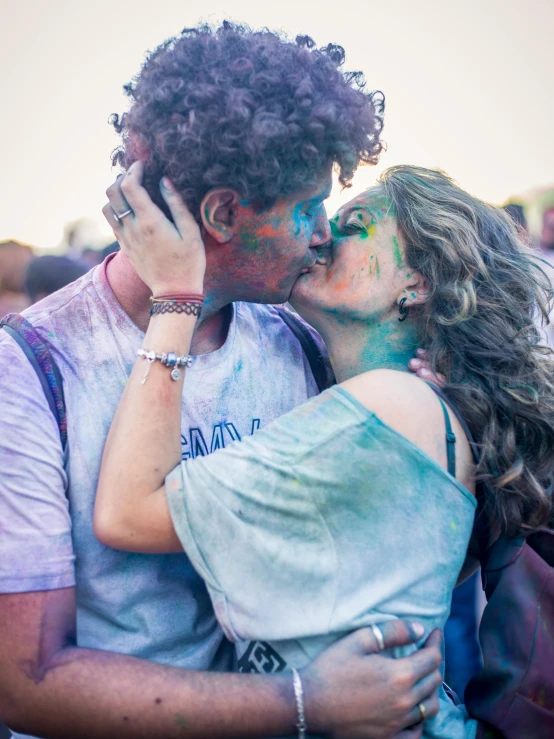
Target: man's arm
{"x": 52, "y": 688}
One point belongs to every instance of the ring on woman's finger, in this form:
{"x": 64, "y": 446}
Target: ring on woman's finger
{"x": 422, "y": 711}
{"x": 120, "y": 216}
{"x": 378, "y": 634}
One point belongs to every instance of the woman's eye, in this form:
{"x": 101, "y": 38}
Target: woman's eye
{"x": 353, "y": 227}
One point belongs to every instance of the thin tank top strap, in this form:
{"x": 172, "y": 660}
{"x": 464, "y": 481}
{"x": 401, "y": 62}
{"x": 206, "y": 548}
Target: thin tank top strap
{"x": 450, "y": 435}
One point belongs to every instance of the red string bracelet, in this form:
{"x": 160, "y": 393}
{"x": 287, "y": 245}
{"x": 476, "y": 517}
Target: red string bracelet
{"x": 179, "y": 298}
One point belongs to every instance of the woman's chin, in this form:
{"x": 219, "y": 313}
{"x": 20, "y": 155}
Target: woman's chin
{"x": 304, "y": 296}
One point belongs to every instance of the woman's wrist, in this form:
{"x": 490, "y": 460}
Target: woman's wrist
{"x": 195, "y": 287}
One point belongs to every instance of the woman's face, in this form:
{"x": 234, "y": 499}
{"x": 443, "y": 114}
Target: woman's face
{"x": 362, "y": 275}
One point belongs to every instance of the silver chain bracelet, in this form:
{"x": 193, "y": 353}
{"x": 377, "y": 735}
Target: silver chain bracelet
{"x": 299, "y": 697}
{"x": 169, "y": 359}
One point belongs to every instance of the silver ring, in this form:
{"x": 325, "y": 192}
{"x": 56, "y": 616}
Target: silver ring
{"x": 378, "y": 634}
{"x": 120, "y": 216}
{"x": 422, "y": 711}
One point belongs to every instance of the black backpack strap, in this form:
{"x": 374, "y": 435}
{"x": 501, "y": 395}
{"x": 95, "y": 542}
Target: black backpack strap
{"x": 40, "y": 358}
{"x": 321, "y": 369}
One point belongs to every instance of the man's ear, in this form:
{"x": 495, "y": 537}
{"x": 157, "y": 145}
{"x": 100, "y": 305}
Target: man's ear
{"x": 218, "y": 212}
{"x": 416, "y": 290}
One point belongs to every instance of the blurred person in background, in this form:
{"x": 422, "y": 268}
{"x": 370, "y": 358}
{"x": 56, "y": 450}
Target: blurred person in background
{"x": 45, "y": 275}
{"x": 545, "y": 250}
{"x": 462, "y": 653}
{"x": 91, "y": 257}
{"x": 14, "y": 260}
{"x": 516, "y": 212}
{"x": 110, "y": 249}
{"x": 547, "y": 233}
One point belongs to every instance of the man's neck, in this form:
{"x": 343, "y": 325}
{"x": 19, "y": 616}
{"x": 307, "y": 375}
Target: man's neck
{"x": 358, "y": 347}
{"x": 134, "y": 297}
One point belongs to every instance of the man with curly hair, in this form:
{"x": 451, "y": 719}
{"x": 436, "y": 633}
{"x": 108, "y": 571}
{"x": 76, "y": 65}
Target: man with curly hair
{"x": 248, "y": 126}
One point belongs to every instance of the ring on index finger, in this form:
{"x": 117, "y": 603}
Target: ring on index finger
{"x": 378, "y": 634}
{"x": 120, "y": 216}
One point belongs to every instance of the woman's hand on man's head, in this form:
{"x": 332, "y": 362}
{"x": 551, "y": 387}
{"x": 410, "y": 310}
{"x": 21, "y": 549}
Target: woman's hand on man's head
{"x": 353, "y": 692}
{"x": 168, "y": 257}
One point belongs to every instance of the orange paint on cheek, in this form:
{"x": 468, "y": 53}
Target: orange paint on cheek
{"x": 268, "y": 231}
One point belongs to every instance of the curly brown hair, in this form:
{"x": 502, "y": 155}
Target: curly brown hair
{"x": 250, "y": 110}
{"x": 478, "y": 325}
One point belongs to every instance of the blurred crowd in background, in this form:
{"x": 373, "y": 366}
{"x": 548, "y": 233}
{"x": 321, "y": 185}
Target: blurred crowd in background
{"x": 28, "y": 275}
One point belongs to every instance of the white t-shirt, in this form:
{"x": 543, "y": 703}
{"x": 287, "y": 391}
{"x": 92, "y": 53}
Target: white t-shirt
{"x": 150, "y": 606}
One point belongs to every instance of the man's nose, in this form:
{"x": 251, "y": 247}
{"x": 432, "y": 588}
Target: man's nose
{"x": 322, "y": 231}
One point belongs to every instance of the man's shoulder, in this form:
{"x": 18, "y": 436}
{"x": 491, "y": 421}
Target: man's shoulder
{"x": 60, "y": 304}
{"x": 272, "y": 319}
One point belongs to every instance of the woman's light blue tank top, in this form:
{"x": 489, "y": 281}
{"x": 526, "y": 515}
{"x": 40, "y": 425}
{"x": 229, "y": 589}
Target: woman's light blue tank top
{"x": 325, "y": 521}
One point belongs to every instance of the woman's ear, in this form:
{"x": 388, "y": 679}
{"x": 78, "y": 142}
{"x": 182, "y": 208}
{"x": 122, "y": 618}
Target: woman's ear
{"x": 416, "y": 290}
{"x": 218, "y": 212}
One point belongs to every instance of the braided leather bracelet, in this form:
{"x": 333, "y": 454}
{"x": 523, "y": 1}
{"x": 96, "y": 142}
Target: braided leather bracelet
{"x": 190, "y": 309}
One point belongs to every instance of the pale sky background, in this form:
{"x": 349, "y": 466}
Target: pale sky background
{"x": 469, "y": 88}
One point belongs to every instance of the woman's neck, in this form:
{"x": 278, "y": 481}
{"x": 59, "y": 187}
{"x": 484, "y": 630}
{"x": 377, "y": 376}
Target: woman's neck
{"x": 356, "y": 346}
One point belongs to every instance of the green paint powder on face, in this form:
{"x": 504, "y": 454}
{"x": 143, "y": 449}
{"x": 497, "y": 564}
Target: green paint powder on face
{"x": 181, "y": 721}
{"x": 397, "y": 252}
{"x": 249, "y": 241}
{"x": 335, "y": 233}
{"x": 408, "y": 276}
{"x": 377, "y": 268}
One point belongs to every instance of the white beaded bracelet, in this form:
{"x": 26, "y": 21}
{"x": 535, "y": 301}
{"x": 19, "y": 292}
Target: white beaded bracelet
{"x": 299, "y": 697}
{"x": 169, "y": 359}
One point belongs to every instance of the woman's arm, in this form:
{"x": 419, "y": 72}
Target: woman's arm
{"x": 144, "y": 443}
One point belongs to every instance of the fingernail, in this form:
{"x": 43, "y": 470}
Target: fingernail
{"x": 166, "y": 182}
{"x": 418, "y": 629}
{"x": 420, "y": 352}
{"x": 414, "y": 362}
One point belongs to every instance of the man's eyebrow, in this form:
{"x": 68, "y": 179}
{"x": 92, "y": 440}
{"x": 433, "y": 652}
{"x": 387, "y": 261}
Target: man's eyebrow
{"x": 323, "y": 195}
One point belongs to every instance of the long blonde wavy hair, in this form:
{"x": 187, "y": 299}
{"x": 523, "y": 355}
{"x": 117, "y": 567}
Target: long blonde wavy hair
{"x": 479, "y": 326}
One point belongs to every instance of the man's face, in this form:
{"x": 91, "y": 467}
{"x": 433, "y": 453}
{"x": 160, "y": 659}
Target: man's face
{"x": 275, "y": 246}
{"x": 547, "y": 235}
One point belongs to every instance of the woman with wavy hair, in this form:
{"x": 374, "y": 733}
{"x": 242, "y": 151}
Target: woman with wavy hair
{"x": 359, "y": 505}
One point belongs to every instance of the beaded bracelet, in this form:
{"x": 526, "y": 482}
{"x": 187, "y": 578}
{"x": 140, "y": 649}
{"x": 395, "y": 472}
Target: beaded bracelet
{"x": 299, "y": 698}
{"x": 169, "y": 359}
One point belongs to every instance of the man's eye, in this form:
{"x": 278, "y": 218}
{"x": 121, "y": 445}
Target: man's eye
{"x": 314, "y": 211}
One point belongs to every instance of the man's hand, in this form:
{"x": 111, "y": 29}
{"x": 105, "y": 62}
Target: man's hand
{"x": 352, "y": 692}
